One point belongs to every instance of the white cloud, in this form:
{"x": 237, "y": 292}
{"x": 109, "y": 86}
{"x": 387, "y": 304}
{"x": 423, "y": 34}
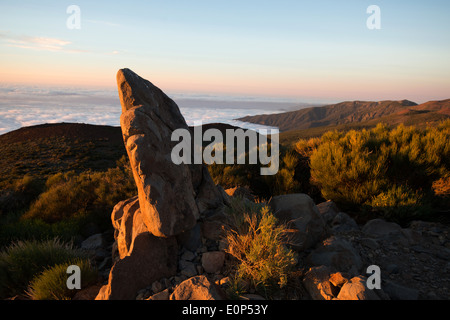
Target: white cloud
{"x": 39, "y": 43}
{"x": 22, "y": 106}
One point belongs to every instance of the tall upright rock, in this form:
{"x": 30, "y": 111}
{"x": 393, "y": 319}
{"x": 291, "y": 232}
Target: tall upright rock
{"x": 168, "y": 193}
{"x": 171, "y": 198}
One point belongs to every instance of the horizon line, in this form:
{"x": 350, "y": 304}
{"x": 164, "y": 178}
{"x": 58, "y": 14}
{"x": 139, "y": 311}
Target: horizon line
{"x": 222, "y": 96}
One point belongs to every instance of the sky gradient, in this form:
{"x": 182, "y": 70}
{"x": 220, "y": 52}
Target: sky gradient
{"x": 304, "y": 50}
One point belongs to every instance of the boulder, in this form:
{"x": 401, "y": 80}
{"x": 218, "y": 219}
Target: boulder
{"x": 187, "y": 268}
{"x": 342, "y": 222}
{"x": 379, "y": 228}
{"x": 213, "y": 261}
{"x": 338, "y": 279}
{"x": 157, "y": 287}
{"x": 328, "y": 210}
{"x": 391, "y": 232}
{"x": 187, "y": 256}
{"x": 337, "y": 253}
{"x": 171, "y": 196}
{"x": 317, "y": 282}
{"x": 163, "y": 295}
{"x": 150, "y": 258}
{"x": 301, "y": 214}
{"x": 197, "y": 288}
{"x": 356, "y": 289}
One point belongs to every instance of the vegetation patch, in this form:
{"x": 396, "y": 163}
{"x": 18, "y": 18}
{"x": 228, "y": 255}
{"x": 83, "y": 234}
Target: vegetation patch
{"x": 51, "y": 284}
{"x": 399, "y": 173}
{"x": 259, "y": 245}
{"x": 24, "y": 260}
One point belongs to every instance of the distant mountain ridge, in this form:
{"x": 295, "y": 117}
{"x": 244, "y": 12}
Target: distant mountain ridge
{"x": 348, "y": 112}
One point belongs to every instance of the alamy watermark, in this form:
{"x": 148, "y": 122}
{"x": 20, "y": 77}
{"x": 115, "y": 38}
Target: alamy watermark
{"x": 74, "y": 280}
{"x": 374, "y": 20}
{"x": 374, "y": 280}
{"x": 237, "y": 151}
{"x": 74, "y": 20}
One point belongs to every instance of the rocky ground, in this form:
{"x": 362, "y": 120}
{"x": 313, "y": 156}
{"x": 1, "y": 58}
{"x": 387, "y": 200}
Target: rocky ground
{"x": 414, "y": 262}
{"x": 413, "y": 268}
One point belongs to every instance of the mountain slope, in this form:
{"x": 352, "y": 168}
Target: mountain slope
{"x": 420, "y": 116}
{"x": 46, "y": 149}
{"x": 346, "y": 113}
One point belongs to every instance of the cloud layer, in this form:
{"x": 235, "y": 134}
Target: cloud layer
{"x": 22, "y": 106}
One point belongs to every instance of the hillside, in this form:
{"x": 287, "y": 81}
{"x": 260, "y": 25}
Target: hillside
{"x": 47, "y": 149}
{"x": 359, "y": 113}
{"x": 411, "y": 117}
{"x": 51, "y": 148}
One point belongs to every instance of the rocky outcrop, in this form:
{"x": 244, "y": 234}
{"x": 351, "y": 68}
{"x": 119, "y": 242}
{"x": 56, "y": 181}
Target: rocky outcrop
{"x": 150, "y": 259}
{"x": 172, "y": 198}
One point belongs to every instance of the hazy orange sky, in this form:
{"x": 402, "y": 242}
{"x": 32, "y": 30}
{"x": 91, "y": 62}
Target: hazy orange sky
{"x": 297, "y": 49}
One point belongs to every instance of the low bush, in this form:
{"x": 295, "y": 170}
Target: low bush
{"x": 39, "y": 230}
{"x": 18, "y": 196}
{"x": 63, "y": 203}
{"x": 69, "y": 194}
{"x": 258, "y": 244}
{"x": 399, "y": 173}
{"x": 23, "y": 260}
{"x": 51, "y": 284}
{"x": 249, "y": 175}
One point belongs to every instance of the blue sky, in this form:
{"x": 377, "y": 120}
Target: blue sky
{"x": 301, "y": 49}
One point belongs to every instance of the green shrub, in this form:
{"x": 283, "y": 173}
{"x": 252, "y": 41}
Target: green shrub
{"x": 345, "y": 170}
{"x": 23, "y": 260}
{"x": 284, "y": 180}
{"x": 239, "y": 208}
{"x": 51, "y": 284}
{"x": 19, "y": 194}
{"x": 71, "y": 195}
{"x": 396, "y": 172}
{"x": 39, "y": 230}
{"x": 259, "y": 245}
{"x": 249, "y": 175}
{"x": 400, "y": 203}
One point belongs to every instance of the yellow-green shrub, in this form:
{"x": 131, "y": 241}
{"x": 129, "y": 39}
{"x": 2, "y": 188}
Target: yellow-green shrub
{"x": 51, "y": 284}
{"x": 23, "y": 260}
{"x": 70, "y": 195}
{"x": 392, "y": 171}
{"x": 259, "y": 245}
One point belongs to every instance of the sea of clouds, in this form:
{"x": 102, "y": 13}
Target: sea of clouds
{"x": 23, "y": 106}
